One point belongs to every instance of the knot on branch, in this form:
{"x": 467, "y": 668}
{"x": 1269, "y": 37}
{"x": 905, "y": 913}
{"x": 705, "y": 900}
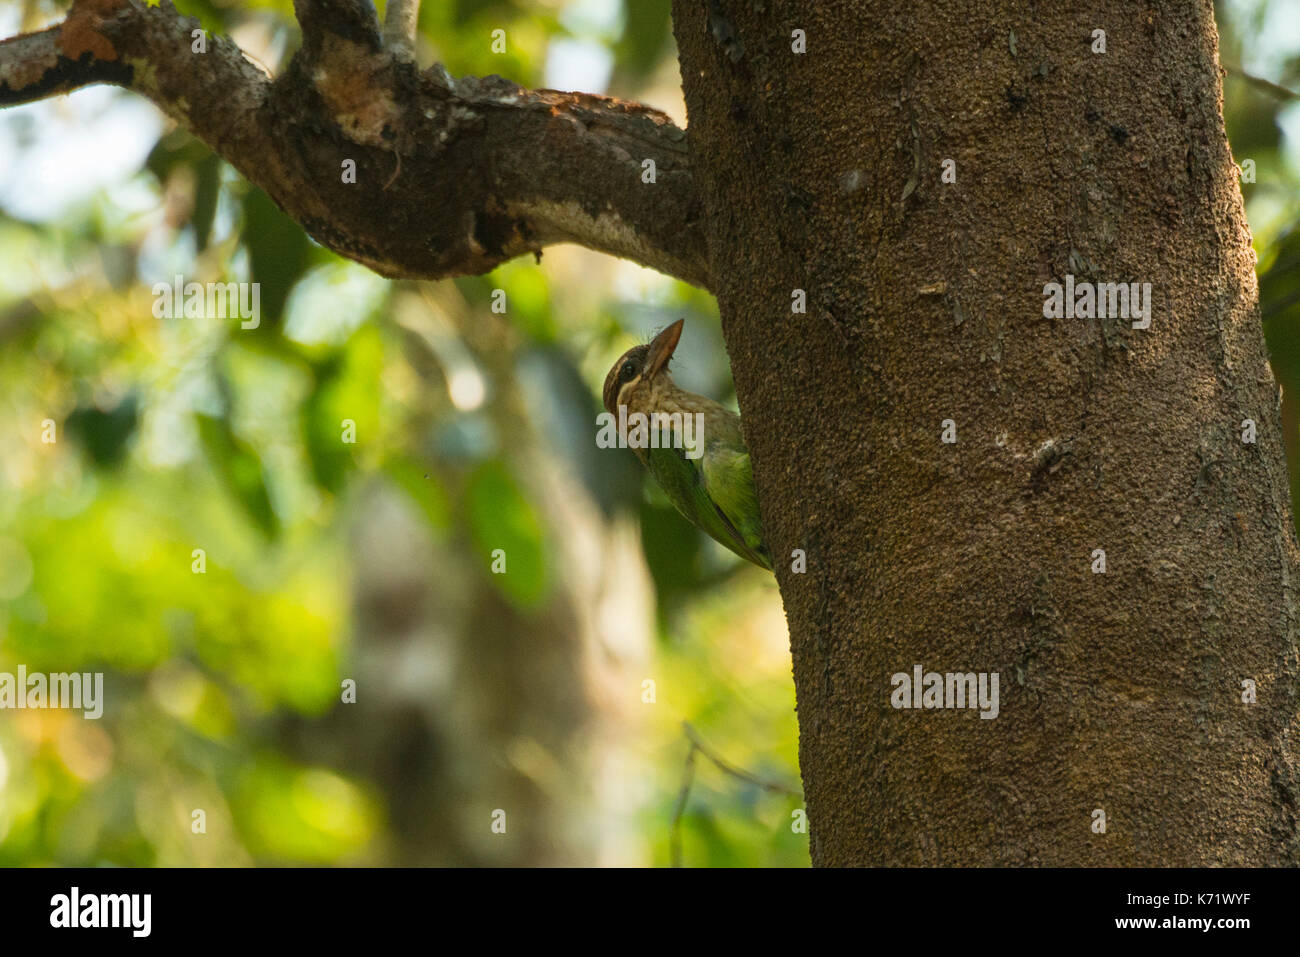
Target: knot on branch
{"x": 328, "y": 24}
{"x": 82, "y": 30}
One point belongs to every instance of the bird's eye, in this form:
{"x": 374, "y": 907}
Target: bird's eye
{"x": 627, "y": 372}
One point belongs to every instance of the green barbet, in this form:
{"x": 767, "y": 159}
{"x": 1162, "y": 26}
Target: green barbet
{"x": 714, "y": 490}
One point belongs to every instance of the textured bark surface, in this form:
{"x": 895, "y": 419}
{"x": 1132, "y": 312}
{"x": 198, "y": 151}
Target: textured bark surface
{"x": 1120, "y": 691}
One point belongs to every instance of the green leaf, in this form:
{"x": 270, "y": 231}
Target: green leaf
{"x": 298, "y": 814}
{"x": 644, "y": 41}
{"x": 425, "y": 490}
{"x": 329, "y": 457}
{"x": 207, "y": 187}
{"x": 500, "y": 517}
{"x": 278, "y": 251}
{"x": 343, "y": 389}
{"x": 103, "y": 433}
{"x": 240, "y": 468}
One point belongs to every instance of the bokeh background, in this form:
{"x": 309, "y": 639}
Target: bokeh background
{"x": 559, "y": 692}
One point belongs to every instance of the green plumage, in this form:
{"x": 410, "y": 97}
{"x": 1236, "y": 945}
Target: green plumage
{"x": 715, "y": 490}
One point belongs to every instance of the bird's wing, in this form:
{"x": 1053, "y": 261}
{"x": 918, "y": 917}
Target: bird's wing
{"x": 688, "y": 483}
{"x": 729, "y": 480}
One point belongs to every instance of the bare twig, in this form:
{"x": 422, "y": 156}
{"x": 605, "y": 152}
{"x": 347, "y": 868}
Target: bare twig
{"x": 675, "y": 832}
{"x": 727, "y": 767}
{"x": 400, "y": 21}
{"x": 1266, "y": 86}
{"x": 699, "y": 746}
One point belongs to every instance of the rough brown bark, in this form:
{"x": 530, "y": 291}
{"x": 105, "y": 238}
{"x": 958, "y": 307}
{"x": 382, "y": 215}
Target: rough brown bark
{"x": 1119, "y": 691}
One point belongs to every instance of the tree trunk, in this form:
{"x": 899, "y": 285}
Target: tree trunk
{"x": 1121, "y": 690}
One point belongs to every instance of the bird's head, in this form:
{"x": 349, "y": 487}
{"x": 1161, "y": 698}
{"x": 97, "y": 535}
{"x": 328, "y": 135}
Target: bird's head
{"x": 639, "y": 366}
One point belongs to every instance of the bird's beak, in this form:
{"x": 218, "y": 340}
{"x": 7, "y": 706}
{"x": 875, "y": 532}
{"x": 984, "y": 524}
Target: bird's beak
{"x": 661, "y": 349}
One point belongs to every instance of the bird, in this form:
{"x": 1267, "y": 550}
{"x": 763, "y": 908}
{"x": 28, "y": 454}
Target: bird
{"x": 714, "y": 490}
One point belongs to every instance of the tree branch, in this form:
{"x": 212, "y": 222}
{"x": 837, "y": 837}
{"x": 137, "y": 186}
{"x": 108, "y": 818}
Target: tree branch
{"x": 1275, "y": 90}
{"x": 698, "y": 746}
{"x": 400, "y": 22}
{"x": 453, "y": 176}
{"x": 331, "y": 26}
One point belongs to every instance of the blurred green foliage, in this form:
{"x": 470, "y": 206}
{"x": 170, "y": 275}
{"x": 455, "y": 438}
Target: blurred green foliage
{"x": 193, "y": 531}
{"x": 190, "y": 530}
